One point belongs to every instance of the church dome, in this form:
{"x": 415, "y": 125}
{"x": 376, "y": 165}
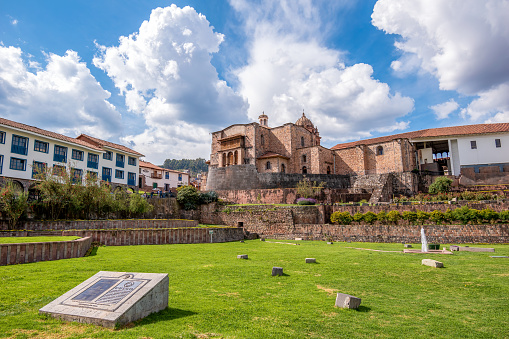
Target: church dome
{"x": 304, "y": 122}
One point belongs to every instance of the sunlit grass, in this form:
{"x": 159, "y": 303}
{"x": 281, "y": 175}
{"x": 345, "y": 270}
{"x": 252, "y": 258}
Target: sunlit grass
{"x": 13, "y": 240}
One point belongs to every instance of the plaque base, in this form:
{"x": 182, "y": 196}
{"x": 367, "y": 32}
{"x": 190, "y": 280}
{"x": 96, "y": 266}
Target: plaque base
{"x": 112, "y": 299}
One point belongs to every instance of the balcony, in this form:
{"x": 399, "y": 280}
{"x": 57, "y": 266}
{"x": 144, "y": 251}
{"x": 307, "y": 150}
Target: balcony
{"x": 235, "y": 141}
{"x": 92, "y": 164}
{"x": 19, "y": 149}
{"x": 156, "y": 176}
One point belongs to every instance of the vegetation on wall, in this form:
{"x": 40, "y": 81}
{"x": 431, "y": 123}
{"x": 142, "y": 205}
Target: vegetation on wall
{"x": 440, "y": 185}
{"x": 309, "y": 189}
{"x": 189, "y": 197}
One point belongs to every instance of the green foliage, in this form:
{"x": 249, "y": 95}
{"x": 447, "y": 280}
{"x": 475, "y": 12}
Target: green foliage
{"x": 341, "y": 218}
{"x": 138, "y": 205}
{"x": 195, "y": 166}
{"x": 409, "y": 216}
{"x": 308, "y": 189}
{"x": 188, "y": 197}
{"x": 382, "y": 216}
{"x": 369, "y": 217}
{"x": 358, "y": 217}
{"x": 13, "y": 202}
{"x": 504, "y": 216}
{"x": 393, "y": 216}
{"x": 462, "y": 214}
{"x": 440, "y": 185}
{"x": 208, "y": 197}
{"x": 422, "y": 216}
{"x": 437, "y": 217}
{"x": 489, "y": 215}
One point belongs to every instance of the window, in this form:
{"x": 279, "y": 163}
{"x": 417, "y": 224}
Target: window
{"x": 304, "y": 170}
{"x": 224, "y": 159}
{"x": 167, "y": 175}
{"x": 106, "y": 174}
{"x": 180, "y": 177}
{"x": 283, "y": 168}
{"x": 262, "y": 140}
{"x": 60, "y": 154}
{"x": 379, "y": 150}
{"x": 473, "y": 144}
{"x": 77, "y": 155}
{"x": 41, "y": 146}
{"x": 18, "y": 164}
{"x": 304, "y": 158}
{"x": 119, "y": 174}
{"x": 38, "y": 168}
{"x": 246, "y": 161}
{"x": 267, "y": 165}
{"x": 498, "y": 144}
{"x": 302, "y": 141}
{"x": 93, "y": 161}
{"x": 76, "y": 175}
{"x": 108, "y": 155}
{"x": 58, "y": 170}
{"x": 328, "y": 169}
{"x": 154, "y": 185}
{"x": 2, "y": 137}
{"x": 131, "y": 179}
{"x": 19, "y": 145}
{"x": 120, "y": 160}
{"x": 1, "y": 163}
{"x": 131, "y": 161}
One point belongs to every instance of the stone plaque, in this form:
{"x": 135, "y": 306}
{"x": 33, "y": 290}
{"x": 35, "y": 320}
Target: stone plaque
{"x": 112, "y": 299}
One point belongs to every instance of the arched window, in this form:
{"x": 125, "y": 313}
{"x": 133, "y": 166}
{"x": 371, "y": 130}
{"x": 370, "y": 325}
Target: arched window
{"x": 230, "y": 158}
{"x": 236, "y": 158}
{"x": 302, "y": 141}
{"x": 304, "y": 170}
{"x": 267, "y": 165}
{"x": 379, "y": 150}
{"x": 262, "y": 140}
{"x": 303, "y": 158}
{"x": 328, "y": 169}
{"x": 283, "y": 168}
{"x": 224, "y": 160}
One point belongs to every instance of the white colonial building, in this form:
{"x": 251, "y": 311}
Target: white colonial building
{"x": 155, "y": 178}
{"x": 24, "y": 150}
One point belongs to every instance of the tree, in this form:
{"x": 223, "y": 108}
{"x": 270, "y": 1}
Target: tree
{"x": 440, "y": 185}
{"x": 13, "y": 203}
{"x": 308, "y": 189}
{"x": 188, "y": 197}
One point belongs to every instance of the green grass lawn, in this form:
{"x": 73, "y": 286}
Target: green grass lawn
{"x": 13, "y": 240}
{"x": 215, "y": 295}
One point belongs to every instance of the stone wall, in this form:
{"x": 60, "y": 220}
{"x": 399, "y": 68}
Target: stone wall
{"x": 488, "y": 175}
{"x": 11, "y": 254}
{"x": 101, "y": 224}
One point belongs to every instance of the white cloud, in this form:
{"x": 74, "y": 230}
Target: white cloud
{"x": 289, "y": 70}
{"x": 443, "y": 110}
{"x": 14, "y": 22}
{"x": 64, "y": 97}
{"x": 492, "y": 105}
{"x": 165, "y": 73}
{"x": 463, "y": 43}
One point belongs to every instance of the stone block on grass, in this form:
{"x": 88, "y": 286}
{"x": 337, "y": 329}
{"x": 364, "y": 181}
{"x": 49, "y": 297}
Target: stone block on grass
{"x": 242, "y": 256}
{"x": 432, "y": 263}
{"x": 310, "y": 261}
{"x": 408, "y": 246}
{"x": 347, "y": 301}
{"x": 277, "y": 271}
{"x": 330, "y": 243}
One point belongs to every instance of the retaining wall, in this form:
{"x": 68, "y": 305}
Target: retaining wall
{"x": 11, "y": 254}
{"x": 101, "y": 224}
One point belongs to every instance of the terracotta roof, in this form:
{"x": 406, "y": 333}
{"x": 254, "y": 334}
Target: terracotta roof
{"x": 433, "y": 133}
{"x": 101, "y": 142}
{"x": 49, "y": 134}
{"x": 272, "y": 155}
{"x": 147, "y": 164}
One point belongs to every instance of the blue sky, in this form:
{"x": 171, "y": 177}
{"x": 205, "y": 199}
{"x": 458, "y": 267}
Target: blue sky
{"x": 159, "y": 76}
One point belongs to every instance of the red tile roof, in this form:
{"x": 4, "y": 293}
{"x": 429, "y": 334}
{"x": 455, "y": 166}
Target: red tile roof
{"x": 147, "y": 164}
{"x": 49, "y": 134}
{"x": 101, "y": 142}
{"x": 433, "y": 133}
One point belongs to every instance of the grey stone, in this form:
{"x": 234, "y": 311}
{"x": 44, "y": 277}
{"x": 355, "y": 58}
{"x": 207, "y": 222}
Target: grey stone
{"x": 277, "y": 271}
{"x": 298, "y": 239}
{"x": 310, "y": 261}
{"x": 262, "y": 239}
{"x": 112, "y": 299}
{"x": 432, "y": 263}
{"x": 499, "y": 256}
{"x": 242, "y": 241}
{"x": 475, "y": 249}
{"x": 347, "y": 301}
{"x": 329, "y": 243}
{"x": 408, "y": 246}
{"x": 242, "y": 256}
{"x": 454, "y": 248}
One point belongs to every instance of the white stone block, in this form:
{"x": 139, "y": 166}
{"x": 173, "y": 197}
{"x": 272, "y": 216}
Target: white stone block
{"x": 310, "y": 261}
{"x": 432, "y": 263}
{"x": 242, "y": 256}
{"x": 347, "y": 301}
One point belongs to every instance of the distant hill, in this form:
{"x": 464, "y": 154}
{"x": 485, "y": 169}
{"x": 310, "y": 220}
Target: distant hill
{"x": 194, "y": 166}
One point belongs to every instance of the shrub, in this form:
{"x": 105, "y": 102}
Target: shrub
{"x": 440, "y": 185}
{"x": 138, "y": 205}
{"x": 437, "y": 217}
{"x": 466, "y": 195}
{"x": 489, "y": 215}
{"x": 393, "y": 216}
{"x": 306, "y": 201}
{"x": 13, "y": 203}
{"x": 422, "y": 216}
{"x": 188, "y": 197}
{"x": 358, "y": 217}
{"x": 462, "y": 214}
{"x": 448, "y": 215}
{"x": 208, "y": 197}
{"x": 308, "y": 189}
{"x": 342, "y": 218}
{"x": 504, "y": 216}
{"x": 369, "y": 217}
{"x": 382, "y": 216}
{"x": 409, "y": 216}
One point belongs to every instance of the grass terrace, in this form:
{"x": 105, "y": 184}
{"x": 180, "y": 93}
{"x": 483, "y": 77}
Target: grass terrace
{"x": 212, "y": 294}
{"x": 15, "y": 240}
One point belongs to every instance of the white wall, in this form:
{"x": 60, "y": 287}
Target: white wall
{"x": 486, "y": 152}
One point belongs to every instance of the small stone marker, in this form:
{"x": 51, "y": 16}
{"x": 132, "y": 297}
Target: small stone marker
{"x": 242, "y": 256}
{"x": 475, "y": 249}
{"x": 432, "y": 263}
{"x": 408, "y": 246}
{"x": 242, "y": 241}
{"x": 310, "y": 261}
{"x": 329, "y": 243}
{"x": 499, "y": 256}
{"x": 112, "y": 299}
{"x": 277, "y": 271}
{"x": 347, "y": 301}
{"x": 454, "y": 248}
{"x": 298, "y": 239}
{"x": 262, "y": 239}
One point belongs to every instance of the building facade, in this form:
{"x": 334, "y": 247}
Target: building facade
{"x": 26, "y": 150}
{"x": 155, "y": 178}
